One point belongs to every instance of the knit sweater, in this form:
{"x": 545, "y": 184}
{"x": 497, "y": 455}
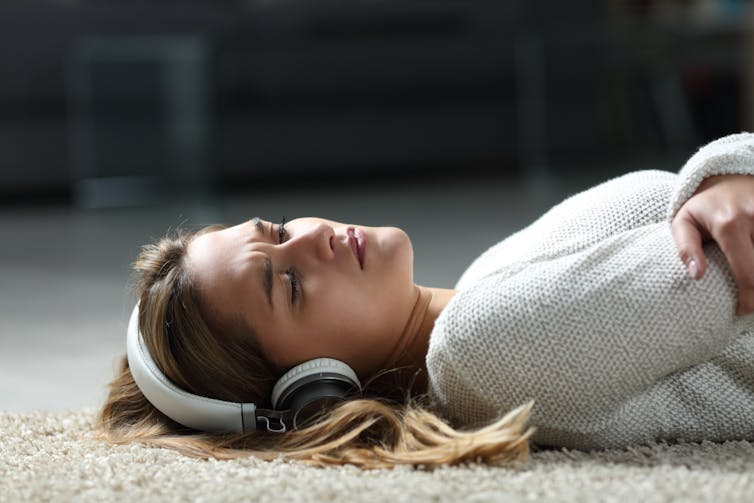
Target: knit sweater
{"x": 590, "y": 312}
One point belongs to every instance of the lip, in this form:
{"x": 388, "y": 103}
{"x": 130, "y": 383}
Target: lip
{"x": 357, "y": 241}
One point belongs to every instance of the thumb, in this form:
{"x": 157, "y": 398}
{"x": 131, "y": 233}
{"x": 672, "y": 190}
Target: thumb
{"x": 687, "y": 235}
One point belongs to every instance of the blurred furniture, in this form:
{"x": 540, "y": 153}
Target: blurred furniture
{"x": 313, "y": 89}
{"x": 648, "y": 81}
{"x": 139, "y": 110}
{"x": 303, "y": 89}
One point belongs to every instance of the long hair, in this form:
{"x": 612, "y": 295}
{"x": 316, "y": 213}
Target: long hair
{"x": 370, "y": 432}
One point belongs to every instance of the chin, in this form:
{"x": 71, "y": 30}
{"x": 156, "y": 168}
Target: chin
{"x": 396, "y": 242}
{"x": 394, "y": 238}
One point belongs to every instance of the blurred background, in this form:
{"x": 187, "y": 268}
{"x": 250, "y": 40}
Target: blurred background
{"x": 459, "y": 121}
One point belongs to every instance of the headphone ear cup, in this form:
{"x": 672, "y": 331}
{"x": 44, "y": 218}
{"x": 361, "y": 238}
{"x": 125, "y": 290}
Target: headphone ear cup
{"x": 320, "y": 381}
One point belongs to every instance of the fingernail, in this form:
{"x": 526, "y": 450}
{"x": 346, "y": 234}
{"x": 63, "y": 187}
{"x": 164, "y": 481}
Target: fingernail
{"x": 693, "y": 268}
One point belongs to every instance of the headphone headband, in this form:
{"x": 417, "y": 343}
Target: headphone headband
{"x": 194, "y": 411}
{"x": 209, "y": 414}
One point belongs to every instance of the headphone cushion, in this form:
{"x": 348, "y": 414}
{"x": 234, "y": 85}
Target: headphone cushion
{"x": 309, "y": 368}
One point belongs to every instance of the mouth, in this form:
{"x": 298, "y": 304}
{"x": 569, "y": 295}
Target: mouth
{"x": 357, "y": 240}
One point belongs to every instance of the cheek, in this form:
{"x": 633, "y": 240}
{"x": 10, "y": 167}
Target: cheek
{"x": 346, "y": 315}
{"x": 354, "y": 334}
{"x": 339, "y": 308}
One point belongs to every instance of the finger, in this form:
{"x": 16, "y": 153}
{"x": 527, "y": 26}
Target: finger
{"x": 687, "y": 235}
{"x": 738, "y": 248}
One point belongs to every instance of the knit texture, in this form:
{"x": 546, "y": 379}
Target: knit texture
{"x": 590, "y": 312}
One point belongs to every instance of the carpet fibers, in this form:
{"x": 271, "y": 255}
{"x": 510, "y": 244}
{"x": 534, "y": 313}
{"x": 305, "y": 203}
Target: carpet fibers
{"x": 51, "y": 456}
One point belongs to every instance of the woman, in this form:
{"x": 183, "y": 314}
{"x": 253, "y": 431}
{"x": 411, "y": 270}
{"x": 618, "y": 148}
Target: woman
{"x": 588, "y": 312}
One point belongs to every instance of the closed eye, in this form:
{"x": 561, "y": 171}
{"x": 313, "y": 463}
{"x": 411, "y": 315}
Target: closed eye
{"x": 282, "y": 233}
{"x": 295, "y": 284}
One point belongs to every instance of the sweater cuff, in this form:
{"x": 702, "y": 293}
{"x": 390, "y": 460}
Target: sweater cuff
{"x": 730, "y": 155}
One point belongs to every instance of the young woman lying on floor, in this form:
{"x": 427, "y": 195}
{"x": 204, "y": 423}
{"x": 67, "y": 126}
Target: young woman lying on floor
{"x": 607, "y": 314}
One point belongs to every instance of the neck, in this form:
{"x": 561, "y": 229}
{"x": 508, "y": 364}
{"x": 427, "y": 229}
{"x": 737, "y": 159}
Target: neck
{"x": 412, "y": 345}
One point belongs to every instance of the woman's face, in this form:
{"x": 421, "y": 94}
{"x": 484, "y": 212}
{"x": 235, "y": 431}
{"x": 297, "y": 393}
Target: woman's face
{"x": 315, "y": 288}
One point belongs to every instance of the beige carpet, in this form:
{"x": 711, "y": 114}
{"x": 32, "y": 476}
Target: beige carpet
{"x": 50, "y": 456}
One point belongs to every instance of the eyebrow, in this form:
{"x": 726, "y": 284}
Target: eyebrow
{"x": 267, "y": 270}
{"x": 258, "y": 224}
{"x": 266, "y": 264}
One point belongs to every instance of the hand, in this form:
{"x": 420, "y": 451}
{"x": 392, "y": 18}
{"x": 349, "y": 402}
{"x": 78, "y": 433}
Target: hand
{"x": 722, "y": 209}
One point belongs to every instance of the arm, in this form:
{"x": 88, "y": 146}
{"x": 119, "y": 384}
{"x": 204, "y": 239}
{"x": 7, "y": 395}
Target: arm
{"x": 714, "y": 200}
{"x": 587, "y": 330}
{"x": 730, "y": 155}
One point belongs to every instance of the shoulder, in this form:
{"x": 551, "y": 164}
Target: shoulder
{"x": 480, "y": 321}
{"x": 581, "y": 220}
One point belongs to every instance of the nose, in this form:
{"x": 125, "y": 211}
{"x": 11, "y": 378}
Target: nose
{"x": 315, "y": 241}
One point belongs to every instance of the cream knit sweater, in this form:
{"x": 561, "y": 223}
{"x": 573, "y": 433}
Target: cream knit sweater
{"x": 590, "y": 312}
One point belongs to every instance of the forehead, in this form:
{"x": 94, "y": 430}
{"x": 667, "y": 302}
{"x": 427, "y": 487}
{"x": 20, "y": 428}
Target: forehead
{"x": 206, "y": 249}
{"x": 218, "y": 244}
{"x": 221, "y": 255}
{"x": 223, "y": 264}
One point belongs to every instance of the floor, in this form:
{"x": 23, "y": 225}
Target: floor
{"x": 64, "y": 295}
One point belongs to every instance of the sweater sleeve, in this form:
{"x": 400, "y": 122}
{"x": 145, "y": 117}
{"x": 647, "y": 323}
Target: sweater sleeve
{"x": 583, "y": 332}
{"x": 730, "y": 155}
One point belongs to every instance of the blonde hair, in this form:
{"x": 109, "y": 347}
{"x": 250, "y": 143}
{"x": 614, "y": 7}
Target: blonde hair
{"x": 370, "y": 432}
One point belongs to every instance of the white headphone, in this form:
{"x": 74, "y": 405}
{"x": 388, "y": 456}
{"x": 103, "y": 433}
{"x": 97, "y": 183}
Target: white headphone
{"x": 299, "y": 392}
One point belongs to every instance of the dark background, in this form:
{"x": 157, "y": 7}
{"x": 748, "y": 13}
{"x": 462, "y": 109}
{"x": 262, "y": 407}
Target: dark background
{"x": 302, "y": 91}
